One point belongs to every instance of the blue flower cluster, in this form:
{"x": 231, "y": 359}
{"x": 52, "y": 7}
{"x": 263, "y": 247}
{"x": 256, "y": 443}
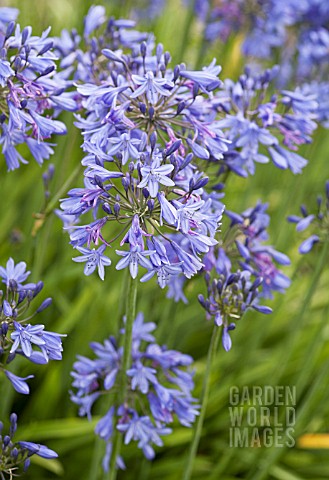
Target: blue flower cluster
{"x": 294, "y": 33}
{"x": 229, "y": 295}
{"x": 159, "y": 389}
{"x": 249, "y": 232}
{"x": 242, "y": 271}
{"x": 31, "y": 92}
{"x": 296, "y": 30}
{"x": 141, "y": 134}
{"x": 149, "y": 133}
{"x": 81, "y": 57}
{"x": 319, "y": 219}
{"x": 14, "y": 455}
{"x": 17, "y": 337}
{"x": 260, "y": 128}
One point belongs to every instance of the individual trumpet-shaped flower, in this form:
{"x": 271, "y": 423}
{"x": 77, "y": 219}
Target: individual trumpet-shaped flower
{"x": 151, "y": 86}
{"x": 154, "y": 174}
{"x": 94, "y": 259}
{"x": 19, "y": 383}
{"x": 132, "y": 259}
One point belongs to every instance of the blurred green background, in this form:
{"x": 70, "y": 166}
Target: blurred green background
{"x": 289, "y": 347}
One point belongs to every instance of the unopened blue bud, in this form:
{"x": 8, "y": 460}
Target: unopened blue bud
{"x": 114, "y": 77}
{"x": 180, "y": 107}
{"x": 94, "y": 45}
{"x": 25, "y": 34}
{"x": 17, "y": 63}
{"x": 10, "y": 28}
{"x": 201, "y": 300}
{"x": 219, "y": 286}
{"x": 153, "y": 139}
{"x": 7, "y": 310}
{"x": 195, "y": 89}
{"x": 142, "y": 107}
{"x": 13, "y": 424}
{"x": 4, "y": 328}
{"x": 303, "y": 210}
{"x": 45, "y": 304}
{"x": 167, "y": 58}
{"x": 175, "y": 146}
{"x": 232, "y": 278}
{"x": 201, "y": 183}
{"x": 145, "y": 192}
{"x": 150, "y": 204}
{"x": 116, "y": 209}
{"x": 218, "y": 186}
{"x": 257, "y": 283}
{"x": 98, "y": 181}
{"x": 21, "y": 296}
{"x": 39, "y": 287}
{"x": 47, "y": 71}
{"x": 14, "y": 453}
{"x": 51, "y": 171}
{"x": 143, "y": 49}
{"x": 46, "y": 47}
{"x": 10, "y": 357}
{"x": 159, "y": 52}
{"x": 125, "y": 183}
{"x": 176, "y": 73}
{"x": 107, "y": 209}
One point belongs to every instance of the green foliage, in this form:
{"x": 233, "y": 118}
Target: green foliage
{"x": 290, "y": 347}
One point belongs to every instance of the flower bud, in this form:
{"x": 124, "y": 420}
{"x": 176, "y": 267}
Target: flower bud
{"x": 10, "y": 28}
{"x": 45, "y": 304}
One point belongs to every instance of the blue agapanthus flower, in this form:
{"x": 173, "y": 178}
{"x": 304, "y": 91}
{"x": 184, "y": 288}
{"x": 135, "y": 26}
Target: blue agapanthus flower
{"x": 160, "y": 384}
{"x": 261, "y": 129}
{"x": 254, "y": 254}
{"x": 149, "y": 130}
{"x": 17, "y": 335}
{"x": 32, "y": 92}
{"x": 229, "y": 295}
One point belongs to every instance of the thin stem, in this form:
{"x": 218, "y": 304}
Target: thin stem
{"x": 204, "y": 43}
{"x": 123, "y": 386}
{"x": 63, "y": 190}
{"x": 186, "y": 31}
{"x": 204, "y": 401}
